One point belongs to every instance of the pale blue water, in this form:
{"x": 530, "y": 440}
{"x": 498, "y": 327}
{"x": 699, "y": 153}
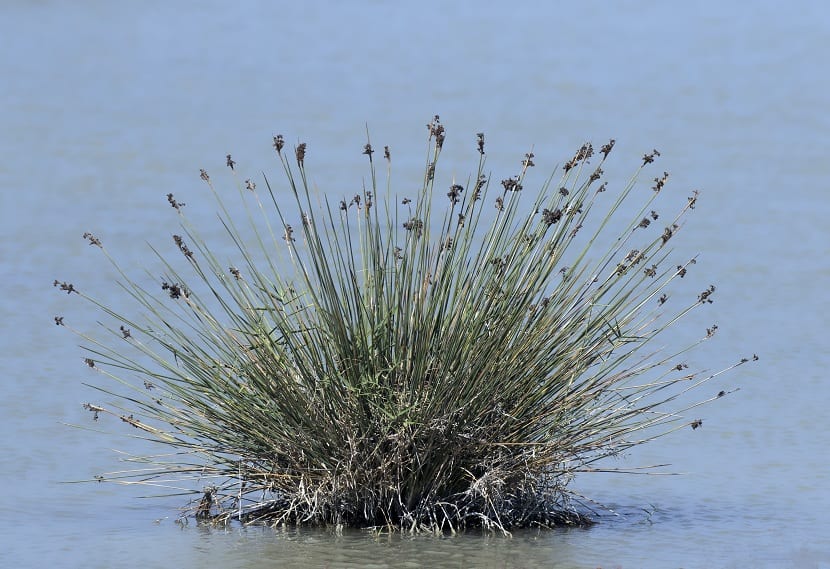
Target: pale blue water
{"x": 107, "y": 107}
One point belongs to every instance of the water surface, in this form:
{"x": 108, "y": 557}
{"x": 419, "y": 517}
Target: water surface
{"x": 107, "y": 107}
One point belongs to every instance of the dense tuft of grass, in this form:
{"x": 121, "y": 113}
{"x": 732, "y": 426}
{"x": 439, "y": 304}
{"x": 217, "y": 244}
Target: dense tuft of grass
{"x": 433, "y": 363}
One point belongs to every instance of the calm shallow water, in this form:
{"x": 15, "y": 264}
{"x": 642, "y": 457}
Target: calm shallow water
{"x": 106, "y": 110}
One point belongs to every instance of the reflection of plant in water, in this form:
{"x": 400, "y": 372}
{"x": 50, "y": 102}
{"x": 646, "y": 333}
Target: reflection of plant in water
{"x": 408, "y": 365}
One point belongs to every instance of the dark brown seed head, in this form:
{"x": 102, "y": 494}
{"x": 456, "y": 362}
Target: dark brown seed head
{"x": 174, "y": 290}
{"x": 300, "y": 151}
{"x": 606, "y": 148}
{"x": 177, "y": 239}
{"x": 92, "y": 239}
{"x": 649, "y": 158}
{"x": 482, "y": 180}
{"x": 94, "y": 409}
{"x": 660, "y": 182}
{"x": 668, "y": 233}
{"x": 65, "y": 286}
{"x": 436, "y": 129}
{"x": 583, "y": 154}
{"x": 173, "y": 203}
{"x": 415, "y": 226}
{"x": 549, "y": 217}
{"x": 279, "y": 142}
{"x": 705, "y": 296}
{"x": 511, "y": 184}
{"x": 455, "y": 193}
{"x": 693, "y": 199}
{"x": 288, "y": 237}
{"x": 230, "y": 163}
{"x": 635, "y": 256}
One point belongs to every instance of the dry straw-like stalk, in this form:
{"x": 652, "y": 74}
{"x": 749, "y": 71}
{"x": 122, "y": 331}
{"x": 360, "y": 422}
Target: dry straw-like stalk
{"x": 428, "y": 363}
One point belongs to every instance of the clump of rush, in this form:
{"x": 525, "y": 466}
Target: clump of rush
{"x": 428, "y": 362}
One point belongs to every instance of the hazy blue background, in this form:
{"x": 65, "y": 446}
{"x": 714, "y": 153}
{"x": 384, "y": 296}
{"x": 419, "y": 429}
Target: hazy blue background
{"x": 105, "y": 107}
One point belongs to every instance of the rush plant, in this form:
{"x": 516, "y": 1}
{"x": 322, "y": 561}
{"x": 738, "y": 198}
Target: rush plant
{"x": 428, "y": 362}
